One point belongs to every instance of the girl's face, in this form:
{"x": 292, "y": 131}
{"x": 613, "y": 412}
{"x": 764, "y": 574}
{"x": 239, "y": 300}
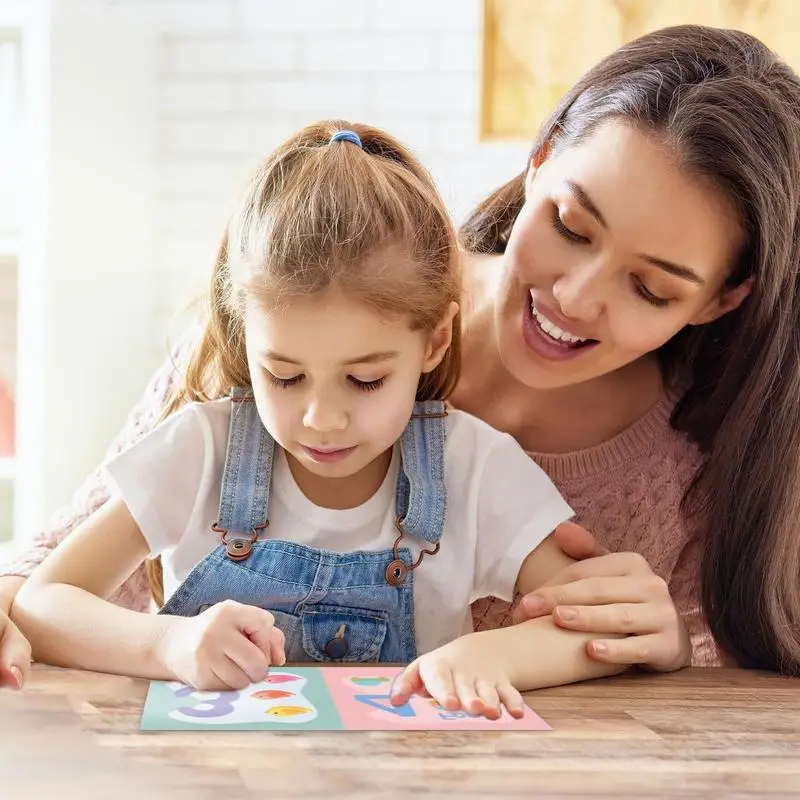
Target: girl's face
{"x": 335, "y": 381}
{"x": 613, "y": 253}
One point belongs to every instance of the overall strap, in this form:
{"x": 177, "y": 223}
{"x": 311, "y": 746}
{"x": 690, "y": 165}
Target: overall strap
{"x": 421, "y": 498}
{"x": 244, "y": 499}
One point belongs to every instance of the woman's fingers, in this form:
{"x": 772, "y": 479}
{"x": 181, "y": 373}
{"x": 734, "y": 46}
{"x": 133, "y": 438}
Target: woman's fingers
{"x": 628, "y": 566}
{"x": 587, "y": 592}
{"x": 627, "y": 618}
{"x": 576, "y": 541}
{"x": 650, "y": 650}
{"x": 608, "y": 566}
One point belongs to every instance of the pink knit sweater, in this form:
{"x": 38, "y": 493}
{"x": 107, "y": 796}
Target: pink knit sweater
{"x": 626, "y": 491}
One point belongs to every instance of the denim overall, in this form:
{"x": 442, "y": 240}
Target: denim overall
{"x": 354, "y": 607}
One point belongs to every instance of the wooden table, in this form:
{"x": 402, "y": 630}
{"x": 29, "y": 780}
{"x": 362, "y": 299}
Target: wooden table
{"x": 698, "y": 733}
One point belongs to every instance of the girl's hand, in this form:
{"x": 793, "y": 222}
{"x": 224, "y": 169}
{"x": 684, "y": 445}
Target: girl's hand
{"x": 15, "y": 655}
{"x": 462, "y": 675}
{"x": 614, "y": 593}
{"x": 228, "y": 646}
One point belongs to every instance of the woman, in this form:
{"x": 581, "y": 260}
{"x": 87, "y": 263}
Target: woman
{"x": 634, "y": 302}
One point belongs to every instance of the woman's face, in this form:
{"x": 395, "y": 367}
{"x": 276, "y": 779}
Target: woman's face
{"x": 613, "y": 253}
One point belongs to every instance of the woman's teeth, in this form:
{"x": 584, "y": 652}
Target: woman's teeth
{"x": 553, "y": 331}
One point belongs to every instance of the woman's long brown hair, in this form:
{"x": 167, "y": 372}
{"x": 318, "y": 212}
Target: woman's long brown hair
{"x": 319, "y": 215}
{"x": 731, "y": 108}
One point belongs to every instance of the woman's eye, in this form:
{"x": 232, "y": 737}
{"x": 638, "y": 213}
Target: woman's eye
{"x": 284, "y": 383}
{"x": 563, "y": 231}
{"x": 366, "y": 386}
{"x": 646, "y": 294}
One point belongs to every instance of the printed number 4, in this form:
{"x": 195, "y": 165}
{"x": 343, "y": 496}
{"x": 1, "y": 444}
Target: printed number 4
{"x": 381, "y": 702}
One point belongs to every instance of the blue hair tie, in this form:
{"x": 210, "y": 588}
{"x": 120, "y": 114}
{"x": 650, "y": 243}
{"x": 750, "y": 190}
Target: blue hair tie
{"x": 345, "y": 136}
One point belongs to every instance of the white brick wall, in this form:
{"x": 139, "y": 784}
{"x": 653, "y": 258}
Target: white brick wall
{"x": 237, "y": 76}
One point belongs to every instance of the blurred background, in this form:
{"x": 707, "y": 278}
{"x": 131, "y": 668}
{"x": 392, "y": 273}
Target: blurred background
{"x": 126, "y": 126}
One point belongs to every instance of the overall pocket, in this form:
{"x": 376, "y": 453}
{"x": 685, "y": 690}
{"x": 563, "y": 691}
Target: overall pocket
{"x": 338, "y": 633}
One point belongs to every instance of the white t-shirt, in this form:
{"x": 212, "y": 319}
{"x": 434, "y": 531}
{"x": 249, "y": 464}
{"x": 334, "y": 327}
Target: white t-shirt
{"x": 500, "y": 507}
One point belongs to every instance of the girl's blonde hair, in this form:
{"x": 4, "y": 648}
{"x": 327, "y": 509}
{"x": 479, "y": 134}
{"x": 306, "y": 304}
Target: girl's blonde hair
{"x": 319, "y": 215}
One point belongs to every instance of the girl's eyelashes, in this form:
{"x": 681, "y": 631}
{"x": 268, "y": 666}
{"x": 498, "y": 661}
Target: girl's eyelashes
{"x": 284, "y": 383}
{"x": 363, "y": 386}
{"x": 366, "y": 386}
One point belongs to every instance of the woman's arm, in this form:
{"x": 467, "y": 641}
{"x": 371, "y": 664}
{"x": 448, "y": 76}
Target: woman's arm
{"x": 619, "y": 593}
{"x": 481, "y": 671}
{"x": 537, "y": 653}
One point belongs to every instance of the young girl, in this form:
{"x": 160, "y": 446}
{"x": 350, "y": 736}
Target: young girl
{"x": 309, "y": 493}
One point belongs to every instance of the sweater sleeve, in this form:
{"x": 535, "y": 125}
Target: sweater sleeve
{"x": 684, "y": 587}
{"x": 95, "y": 490}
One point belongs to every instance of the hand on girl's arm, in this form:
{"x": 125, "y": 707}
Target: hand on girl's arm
{"x": 482, "y": 672}
{"x": 63, "y": 611}
{"x": 616, "y": 594}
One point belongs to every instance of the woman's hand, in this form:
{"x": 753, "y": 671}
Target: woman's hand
{"x": 463, "y": 675}
{"x": 15, "y": 655}
{"x": 615, "y": 593}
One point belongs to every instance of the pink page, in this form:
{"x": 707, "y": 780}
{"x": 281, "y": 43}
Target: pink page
{"x": 361, "y": 696}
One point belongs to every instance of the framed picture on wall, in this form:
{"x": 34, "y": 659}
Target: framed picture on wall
{"x": 534, "y": 50}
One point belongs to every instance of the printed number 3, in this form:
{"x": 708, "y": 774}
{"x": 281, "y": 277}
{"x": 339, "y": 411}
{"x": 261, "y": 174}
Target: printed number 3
{"x": 218, "y": 706}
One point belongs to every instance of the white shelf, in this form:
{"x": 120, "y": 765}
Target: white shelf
{"x": 9, "y": 246}
{"x": 8, "y": 469}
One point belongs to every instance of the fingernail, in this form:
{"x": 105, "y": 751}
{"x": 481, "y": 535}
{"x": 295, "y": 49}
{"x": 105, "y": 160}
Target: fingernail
{"x": 600, "y": 648}
{"x": 567, "y": 614}
{"x": 17, "y": 673}
{"x": 534, "y": 603}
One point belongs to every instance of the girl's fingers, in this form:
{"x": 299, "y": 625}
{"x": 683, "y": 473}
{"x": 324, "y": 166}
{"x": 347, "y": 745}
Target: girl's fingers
{"x": 249, "y": 658}
{"x": 407, "y": 682}
{"x": 440, "y": 685}
{"x": 230, "y": 674}
{"x": 11, "y": 677}
{"x": 278, "y": 648}
{"x": 627, "y": 618}
{"x": 489, "y": 697}
{"x": 512, "y": 700}
{"x": 467, "y": 694}
{"x": 15, "y": 655}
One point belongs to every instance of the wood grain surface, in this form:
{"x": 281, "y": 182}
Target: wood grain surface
{"x": 714, "y": 733}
